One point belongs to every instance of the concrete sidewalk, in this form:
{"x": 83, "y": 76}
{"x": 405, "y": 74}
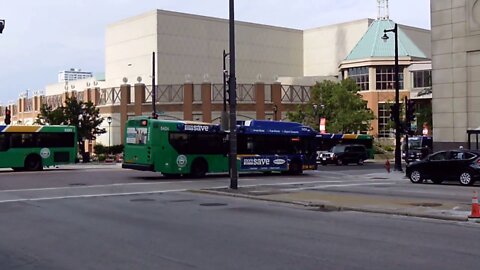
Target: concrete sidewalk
{"x": 323, "y": 200}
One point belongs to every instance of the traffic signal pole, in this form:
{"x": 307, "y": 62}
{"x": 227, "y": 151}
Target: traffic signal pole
{"x": 232, "y": 88}
{"x": 408, "y": 126}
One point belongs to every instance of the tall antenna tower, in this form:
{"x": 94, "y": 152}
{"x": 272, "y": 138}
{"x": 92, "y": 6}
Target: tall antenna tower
{"x": 383, "y": 12}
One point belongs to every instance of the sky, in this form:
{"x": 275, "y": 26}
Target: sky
{"x": 43, "y": 37}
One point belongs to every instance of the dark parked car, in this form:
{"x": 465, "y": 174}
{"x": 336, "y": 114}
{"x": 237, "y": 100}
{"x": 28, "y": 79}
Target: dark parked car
{"x": 460, "y": 165}
{"x": 343, "y": 154}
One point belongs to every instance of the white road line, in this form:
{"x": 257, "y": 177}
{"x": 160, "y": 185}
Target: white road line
{"x": 93, "y": 186}
{"x": 329, "y": 186}
{"x": 92, "y": 196}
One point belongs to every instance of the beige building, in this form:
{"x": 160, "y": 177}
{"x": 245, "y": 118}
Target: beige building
{"x": 276, "y": 68}
{"x": 456, "y": 70}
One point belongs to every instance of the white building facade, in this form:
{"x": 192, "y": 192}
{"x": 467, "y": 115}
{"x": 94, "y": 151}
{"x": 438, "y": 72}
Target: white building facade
{"x": 456, "y": 70}
{"x": 73, "y": 75}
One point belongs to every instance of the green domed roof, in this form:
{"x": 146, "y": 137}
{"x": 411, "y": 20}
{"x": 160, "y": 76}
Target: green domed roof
{"x": 372, "y": 45}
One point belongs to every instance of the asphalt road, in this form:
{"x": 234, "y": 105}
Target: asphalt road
{"x": 181, "y": 230}
{"x": 90, "y": 180}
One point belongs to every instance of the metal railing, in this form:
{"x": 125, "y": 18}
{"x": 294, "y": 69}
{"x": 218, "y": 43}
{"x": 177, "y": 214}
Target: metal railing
{"x": 246, "y": 93}
{"x": 109, "y": 96}
{"x": 295, "y": 93}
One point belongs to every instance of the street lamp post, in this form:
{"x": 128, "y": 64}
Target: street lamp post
{"x": 109, "y": 121}
{"x": 398, "y": 156}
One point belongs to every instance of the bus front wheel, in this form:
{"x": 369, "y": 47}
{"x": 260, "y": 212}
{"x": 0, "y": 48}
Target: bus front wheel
{"x": 199, "y": 168}
{"x": 33, "y": 163}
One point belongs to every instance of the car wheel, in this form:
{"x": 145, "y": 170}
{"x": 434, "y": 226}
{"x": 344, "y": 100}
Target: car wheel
{"x": 344, "y": 162}
{"x": 324, "y": 163}
{"x": 437, "y": 180}
{"x": 341, "y": 162}
{"x": 416, "y": 177}
{"x": 466, "y": 179}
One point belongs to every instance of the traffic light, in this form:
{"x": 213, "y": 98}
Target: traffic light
{"x": 2, "y": 25}
{"x": 410, "y": 111}
{"x": 8, "y": 116}
{"x": 393, "y": 112}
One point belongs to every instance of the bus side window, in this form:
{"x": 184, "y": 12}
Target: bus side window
{"x": 4, "y": 142}
{"x": 15, "y": 140}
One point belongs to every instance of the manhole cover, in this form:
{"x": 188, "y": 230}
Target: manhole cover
{"x": 142, "y": 200}
{"x": 77, "y": 184}
{"x": 427, "y": 204}
{"x": 213, "y": 204}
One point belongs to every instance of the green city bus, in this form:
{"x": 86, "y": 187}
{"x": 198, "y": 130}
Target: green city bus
{"x": 196, "y": 148}
{"x": 325, "y": 141}
{"x": 33, "y": 147}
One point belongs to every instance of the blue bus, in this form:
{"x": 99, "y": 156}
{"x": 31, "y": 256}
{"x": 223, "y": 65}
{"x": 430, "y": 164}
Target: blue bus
{"x": 272, "y": 139}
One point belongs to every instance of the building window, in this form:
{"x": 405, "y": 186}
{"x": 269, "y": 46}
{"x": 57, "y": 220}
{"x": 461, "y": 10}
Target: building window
{"x": 422, "y": 78}
{"x": 386, "y": 77}
{"x": 384, "y": 130}
{"x": 360, "y": 76}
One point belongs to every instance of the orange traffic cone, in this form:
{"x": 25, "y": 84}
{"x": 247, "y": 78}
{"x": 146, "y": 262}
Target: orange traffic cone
{"x": 475, "y": 207}
{"x": 387, "y": 166}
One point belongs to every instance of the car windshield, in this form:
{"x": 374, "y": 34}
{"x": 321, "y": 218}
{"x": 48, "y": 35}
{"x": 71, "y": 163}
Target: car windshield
{"x": 338, "y": 149}
{"x": 414, "y": 144}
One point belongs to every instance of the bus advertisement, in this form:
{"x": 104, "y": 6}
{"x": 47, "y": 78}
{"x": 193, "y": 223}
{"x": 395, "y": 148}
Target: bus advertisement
{"x": 33, "y": 147}
{"x": 176, "y": 148}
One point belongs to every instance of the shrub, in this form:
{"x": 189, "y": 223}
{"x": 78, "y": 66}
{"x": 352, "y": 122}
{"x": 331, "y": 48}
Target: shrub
{"x": 115, "y": 149}
{"x": 102, "y": 157}
{"x": 100, "y": 149}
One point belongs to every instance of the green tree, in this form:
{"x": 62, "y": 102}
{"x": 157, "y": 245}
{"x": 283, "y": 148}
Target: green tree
{"x": 424, "y": 115}
{"x": 84, "y": 115}
{"x": 48, "y": 116}
{"x": 340, "y": 103}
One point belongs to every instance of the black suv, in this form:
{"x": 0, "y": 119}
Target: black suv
{"x": 343, "y": 154}
{"x": 460, "y": 165}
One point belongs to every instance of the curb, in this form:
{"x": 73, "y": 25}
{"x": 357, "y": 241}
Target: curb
{"x": 331, "y": 207}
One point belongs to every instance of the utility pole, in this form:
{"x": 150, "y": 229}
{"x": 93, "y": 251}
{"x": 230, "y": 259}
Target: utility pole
{"x": 154, "y": 95}
{"x": 398, "y": 154}
{"x": 233, "y": 103}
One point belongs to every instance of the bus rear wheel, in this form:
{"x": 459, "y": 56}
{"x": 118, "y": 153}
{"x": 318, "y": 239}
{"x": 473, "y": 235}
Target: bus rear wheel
{"x": 199, "y": 168}
{"x": 33, "y": 163}
{"x": 295, "y": 167}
